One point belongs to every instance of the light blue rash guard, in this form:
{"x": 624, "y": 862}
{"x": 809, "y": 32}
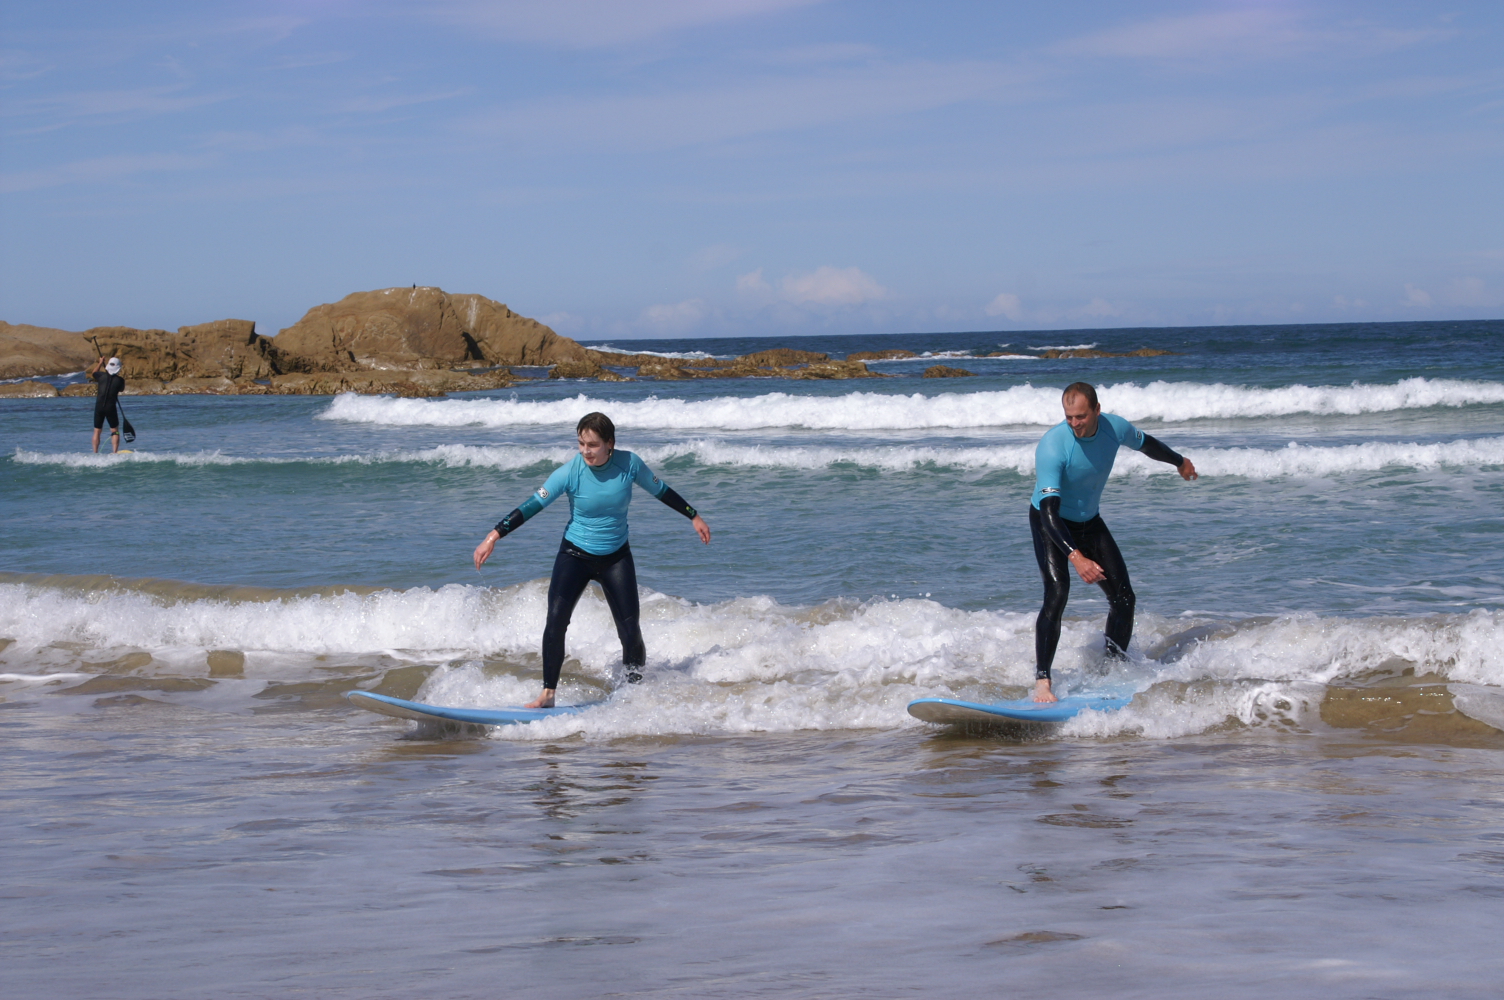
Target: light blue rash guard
{"x": 598, "y": 498}
{"x": 1076, "y": 469}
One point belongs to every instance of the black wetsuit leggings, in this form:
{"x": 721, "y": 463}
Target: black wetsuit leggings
{"x": 574, "y": 568}
{"x": 1096, "y": 544}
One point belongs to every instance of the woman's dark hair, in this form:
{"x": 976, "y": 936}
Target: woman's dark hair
{"x": 1085, "y": 390}
{"x": 600, "y": 423}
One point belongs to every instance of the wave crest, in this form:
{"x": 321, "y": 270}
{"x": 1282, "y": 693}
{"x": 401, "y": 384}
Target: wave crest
{"x": 747, "y": 664}
{"x": 1023, "y": 405}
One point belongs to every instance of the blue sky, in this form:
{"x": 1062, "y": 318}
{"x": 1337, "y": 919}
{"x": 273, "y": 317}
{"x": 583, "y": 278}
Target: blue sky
{"x": 755, "y": 167}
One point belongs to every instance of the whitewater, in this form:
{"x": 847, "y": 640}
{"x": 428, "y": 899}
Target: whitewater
{"x": 1018, "y": 405}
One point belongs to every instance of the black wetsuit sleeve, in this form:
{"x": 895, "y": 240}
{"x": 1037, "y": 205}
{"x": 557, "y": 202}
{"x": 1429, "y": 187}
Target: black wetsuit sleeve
{"x": 1054, "y": 526}
{"x": 675, "y": 501}
{"x": 511, "y": 522}
{"x": 1156, "y": 449}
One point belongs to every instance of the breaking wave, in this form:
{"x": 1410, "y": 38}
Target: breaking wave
{"x": 1025, "y": 405}
{"x": 743, "y": 665}
{"x": 1252, "y": 463}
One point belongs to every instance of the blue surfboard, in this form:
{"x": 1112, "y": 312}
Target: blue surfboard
{"x": 416, "y": 710}
{"x": 953, "y": 710}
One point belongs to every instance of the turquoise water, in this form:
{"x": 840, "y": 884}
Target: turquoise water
{"x": 1317, "y": 660}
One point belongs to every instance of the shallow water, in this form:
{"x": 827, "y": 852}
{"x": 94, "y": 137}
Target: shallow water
{"x": 153, "y": 852}
{"x": 1303, "y": 795}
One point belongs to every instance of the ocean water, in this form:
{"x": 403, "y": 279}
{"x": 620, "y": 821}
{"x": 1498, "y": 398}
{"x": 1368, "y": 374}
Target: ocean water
{"x": 1304, "y": 795}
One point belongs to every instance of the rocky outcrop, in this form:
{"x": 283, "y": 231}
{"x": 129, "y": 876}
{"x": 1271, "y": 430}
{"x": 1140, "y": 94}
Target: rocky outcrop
{"x": 420, "y": 383}
{"x": 942, "y": 371}
{"x": 27, "y": 390}
{"x": 651, "y": 360}
{"x": 224, "y": 349}
{"x": 892, "y": 354}
{"x": 422, "y": 333}
{"x": 668, "y": 370}
{"x": 27, "y": 351}
{"x": 1142, "y": 352}
{"x": 780, "y": 357}
{"x": 416, "y": 328}
{"x": 585, "y": 369}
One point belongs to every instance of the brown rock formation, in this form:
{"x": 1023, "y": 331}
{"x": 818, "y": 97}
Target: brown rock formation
{"x": 780, "y": 357}
{"x": 224, "y": 349}
{"x": 427, "y": 382}
{"x": 942, "y": 371}
{"x": 1142, "y": 352}
{"x": 585, "y": 369}
{"x": 40, "y": 350}
{"x": 401, "y": 328}
{"x": 888, "y": 355}
{"x": 28, "y": 390}
{"x": 651, "y": 360}
{"x": 739, "y": 368}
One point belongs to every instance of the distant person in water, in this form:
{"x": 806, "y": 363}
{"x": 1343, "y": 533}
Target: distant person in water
{"x": 1072, "y": 464}
{"x": 105, "y": 405}
{"x": 599, "y": 483}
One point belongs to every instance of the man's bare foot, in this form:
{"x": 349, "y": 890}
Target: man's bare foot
{"x": 1042, "y": 692}
{"x": 545, "y": 700}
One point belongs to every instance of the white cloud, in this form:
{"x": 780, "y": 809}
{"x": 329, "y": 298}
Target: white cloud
{"x": 1195, "y": 35}
{"x": 119, "y": 105}
{"x": 18, "y": 65}
{"x": 1006, "y": 305}
{"x": 102, "y": 169}
{"x": 832, "y": 286}
{"x": 1099, "y": 309}
{"x": 754, "y": 286}
{"x": 824, "y": 287}
{"x": 678, "y": 317}
{"x": 1251, "y": 32}
{"x": 586, "y": 24}
{"x": 1416, "y": 296}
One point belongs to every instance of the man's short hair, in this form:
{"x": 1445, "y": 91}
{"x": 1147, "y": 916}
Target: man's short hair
{"x": 1085, "y": 390}
{"x": 600, "y": 424}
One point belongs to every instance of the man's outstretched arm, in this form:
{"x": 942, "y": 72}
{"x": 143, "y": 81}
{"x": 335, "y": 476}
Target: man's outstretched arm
{"x": 1159, "y": 451}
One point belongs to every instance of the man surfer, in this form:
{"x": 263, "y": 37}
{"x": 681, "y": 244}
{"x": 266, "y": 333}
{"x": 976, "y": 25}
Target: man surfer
{"x": 106, "y": 406}
{"x": 1072, "y": 464}
{"x": 599, "y": 483}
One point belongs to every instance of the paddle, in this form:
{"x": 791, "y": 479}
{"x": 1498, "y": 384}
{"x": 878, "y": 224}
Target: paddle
{"x": 125, "y": 425}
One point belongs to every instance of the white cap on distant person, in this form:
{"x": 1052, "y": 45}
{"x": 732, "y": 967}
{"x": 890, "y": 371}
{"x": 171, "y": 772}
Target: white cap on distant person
{"x": 113, "y": 367}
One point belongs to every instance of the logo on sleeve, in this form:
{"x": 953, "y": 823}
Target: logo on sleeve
{"x": 543, "y": 493}
{"x": 1049, "y": 490}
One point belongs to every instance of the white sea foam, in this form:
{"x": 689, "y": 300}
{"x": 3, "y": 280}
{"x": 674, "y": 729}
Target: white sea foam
{"x": 747, "y": 664}
{"x": 1252, "y": 463}
{"x": 453, "y": 456}
{"x": 1020, "y": 405}
{"x": 1063, "y": 347}
{"x": 86, "y": 460}
{"x": 958, "y": 355}
{"x": 681, "y": 355}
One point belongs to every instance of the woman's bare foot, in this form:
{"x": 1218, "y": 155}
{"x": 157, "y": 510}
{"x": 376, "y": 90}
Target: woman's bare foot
{"x": 1042, "y": 692}
{"x": 546, "y": 700}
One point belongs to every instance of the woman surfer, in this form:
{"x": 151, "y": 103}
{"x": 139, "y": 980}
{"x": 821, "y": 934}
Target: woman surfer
{"x": 599, "y": 483}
